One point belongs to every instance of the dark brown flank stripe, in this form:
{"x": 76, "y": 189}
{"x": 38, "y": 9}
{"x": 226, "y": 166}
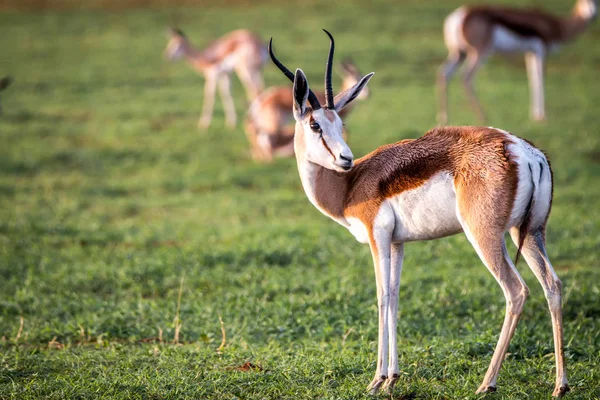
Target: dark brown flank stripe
{"x": 477, "y": 158}
{"x": 523, "y": 22}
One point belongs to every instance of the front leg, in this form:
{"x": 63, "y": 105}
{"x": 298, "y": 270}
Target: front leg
{"x": 396, "y": 271}
{"x": 228, "y": 105}
{"x": 535, "y": 73}
{"x": 380, "y": 242}
{"x": 209, "y": 99}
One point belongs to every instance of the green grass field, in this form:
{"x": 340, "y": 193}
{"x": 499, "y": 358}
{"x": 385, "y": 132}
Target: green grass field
{"x": 127, "y": 235}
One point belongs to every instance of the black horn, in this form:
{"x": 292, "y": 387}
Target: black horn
{"x": 312, "y": 99}
{"x": 328, "y": 89}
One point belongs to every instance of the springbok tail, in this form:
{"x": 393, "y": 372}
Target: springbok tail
{"x": 525, "y": 225}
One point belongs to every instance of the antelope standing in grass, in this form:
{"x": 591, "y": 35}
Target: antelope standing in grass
{"x": 241, "y": 51}
{"x": 480, "y": 181}
{"x": 473, "y": 33}
{"x": 4, "y": 83}
{"x": 268, "y": 120}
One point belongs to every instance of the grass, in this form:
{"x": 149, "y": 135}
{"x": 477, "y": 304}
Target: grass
{"x": 127, "y": 235}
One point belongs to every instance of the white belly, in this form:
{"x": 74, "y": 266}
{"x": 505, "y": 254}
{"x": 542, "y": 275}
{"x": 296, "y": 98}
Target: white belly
{"x": 427, "y": 212}
{"x": 358, "y": 229}
{"x": 507, "y": 41}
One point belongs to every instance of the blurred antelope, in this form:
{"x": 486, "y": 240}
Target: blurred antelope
{"x": 267, "y": 122}
{"x": 475, "y": 32}
{"x": 476, "y": 180}
{"x": 241, "y": 51}
{"x": 4, "y": 83}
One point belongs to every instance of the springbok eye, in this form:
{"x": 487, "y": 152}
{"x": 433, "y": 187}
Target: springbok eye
{"x": 315, "y": 127}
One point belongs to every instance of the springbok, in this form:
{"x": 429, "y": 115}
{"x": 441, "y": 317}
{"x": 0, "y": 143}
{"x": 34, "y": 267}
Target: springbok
{"x": 241, "y": 51}
{"x": 475, "y": 32}
{"x": 481, "y": 181}
{"x": 267, "y": 121}
{"x": 4, "y": 83}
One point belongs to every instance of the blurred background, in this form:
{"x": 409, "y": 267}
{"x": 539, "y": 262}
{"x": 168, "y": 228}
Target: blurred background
{"x": 130, "y": 238}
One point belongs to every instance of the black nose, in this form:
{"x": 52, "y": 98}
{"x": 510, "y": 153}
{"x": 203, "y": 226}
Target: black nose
{"x": 345, "y": 158}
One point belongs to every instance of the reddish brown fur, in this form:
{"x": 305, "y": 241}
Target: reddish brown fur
{"x": 393, "y": 169}
{"x": 216, "y": 51}
{"x": 480, "y": 20}
{"x": 479, "y": 23}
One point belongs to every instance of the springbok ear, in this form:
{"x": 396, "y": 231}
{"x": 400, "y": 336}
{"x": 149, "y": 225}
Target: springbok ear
{"x": 348, "y": 66}
{"x": 175, "y": 32}
{"x": 300, "y": 93}
{"x": 346, "y": 97}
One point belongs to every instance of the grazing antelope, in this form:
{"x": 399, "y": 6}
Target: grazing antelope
{"x": 4, "y": 83}
{"x": 475, "y": 32}
{"x": 241, "y": 51}
{"x": 267, "y": 122}
{"x": 481, "y": 181}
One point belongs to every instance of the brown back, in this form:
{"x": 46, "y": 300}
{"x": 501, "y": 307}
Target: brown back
{"x": 458, "y": 150}
{"x": 524, "y": 22}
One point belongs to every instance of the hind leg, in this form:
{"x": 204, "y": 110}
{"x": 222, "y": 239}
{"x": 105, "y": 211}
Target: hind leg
{"x": 209, "y": 99}
{"x": 487, "y": 237}
{"x": 445, "y": 72}
{"x": 495, "y": 257}
{"x": 534, "y": 252}
{"x": 474, "y": 61}
{"x": 252, "y": 80}
{"x": 535, "y": 74}
{"x": 228, "y": 105}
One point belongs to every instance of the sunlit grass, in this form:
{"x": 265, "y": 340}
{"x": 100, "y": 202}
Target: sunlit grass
{"x": 110, "y": 198}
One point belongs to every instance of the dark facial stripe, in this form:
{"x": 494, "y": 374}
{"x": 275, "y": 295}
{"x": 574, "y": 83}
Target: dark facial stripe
{"x": 327, "y": 147}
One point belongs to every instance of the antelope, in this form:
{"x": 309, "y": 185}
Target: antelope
{"x": 4, "y": 83}
{"x": 473, "y": 33}
{"x": 241, "y": 51}
{"x": 267, "y": 121}
{"x": 477, "y": 180}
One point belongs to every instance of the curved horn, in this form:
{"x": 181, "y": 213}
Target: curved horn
{"x": 312, "y": 99}
{"x": 328, "y": 88}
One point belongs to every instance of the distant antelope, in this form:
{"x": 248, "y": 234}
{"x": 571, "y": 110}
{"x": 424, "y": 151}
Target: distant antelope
{"x": 241, "y": 51}
{"x": 480, "y": 181}
{"x": 4, "y": 83}
{"x": 267, "y": 122}
{"x": 475, "y": 32}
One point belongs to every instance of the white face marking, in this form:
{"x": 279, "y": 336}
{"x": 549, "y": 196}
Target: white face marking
{"x": 326, "y": 148}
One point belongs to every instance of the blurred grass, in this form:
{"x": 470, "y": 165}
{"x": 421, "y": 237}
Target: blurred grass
{"x": 110, "y": 196}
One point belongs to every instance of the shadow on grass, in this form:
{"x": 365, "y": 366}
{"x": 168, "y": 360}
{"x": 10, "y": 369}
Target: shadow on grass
{"x": 260, "y": 257}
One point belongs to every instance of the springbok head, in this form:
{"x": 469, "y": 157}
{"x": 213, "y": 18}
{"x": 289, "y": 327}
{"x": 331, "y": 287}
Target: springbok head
{"x": 318, "y": 136}
{"x": 176, "y": 46}
{"x": 587, "y": 9}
